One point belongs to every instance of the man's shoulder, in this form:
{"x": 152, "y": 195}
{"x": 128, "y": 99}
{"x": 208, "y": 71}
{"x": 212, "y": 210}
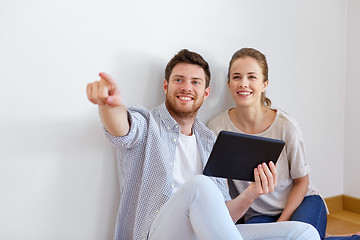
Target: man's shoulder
{"x": 203, "y": 130}
{"x": 145, "y": 112}
{"x": 139, "y": 109}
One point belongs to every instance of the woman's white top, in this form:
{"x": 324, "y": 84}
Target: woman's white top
{"x": 291, "y": 164}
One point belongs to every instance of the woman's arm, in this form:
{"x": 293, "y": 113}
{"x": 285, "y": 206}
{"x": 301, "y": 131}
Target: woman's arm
{"x": 265, "y": 182}
{"x": 295, "y": 198}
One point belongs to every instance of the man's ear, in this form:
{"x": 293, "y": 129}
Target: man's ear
{"x": 166, "y": 84}
{"x": 207, "y": 92}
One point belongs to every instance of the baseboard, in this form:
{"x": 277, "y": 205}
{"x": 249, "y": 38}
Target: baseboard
{"x": 351, "y": 204}
{"x": 343, "y": 202}
{"x": 335, "y": 203}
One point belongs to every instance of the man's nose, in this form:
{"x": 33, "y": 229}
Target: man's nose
{"x": 186, "y": 86}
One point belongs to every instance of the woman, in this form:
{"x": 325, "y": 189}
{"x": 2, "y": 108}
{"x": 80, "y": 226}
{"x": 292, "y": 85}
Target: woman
{"x": 294, "y": 198}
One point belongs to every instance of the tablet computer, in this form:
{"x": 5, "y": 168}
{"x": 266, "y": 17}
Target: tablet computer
{"x": 235, "y": 155}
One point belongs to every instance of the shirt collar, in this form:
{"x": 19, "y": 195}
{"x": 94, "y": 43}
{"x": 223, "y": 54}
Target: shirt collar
{"x": 166, "y": 117}
{"x": 170, "y": 122}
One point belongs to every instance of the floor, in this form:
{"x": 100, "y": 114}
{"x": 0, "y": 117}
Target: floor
{"x": 343, "y": 222}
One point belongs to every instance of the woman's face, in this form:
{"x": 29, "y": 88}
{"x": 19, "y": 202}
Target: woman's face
{"x": 246, "y": 82}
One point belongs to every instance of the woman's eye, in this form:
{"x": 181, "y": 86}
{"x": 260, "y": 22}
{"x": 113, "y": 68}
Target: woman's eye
{"x": 252, "y": 77}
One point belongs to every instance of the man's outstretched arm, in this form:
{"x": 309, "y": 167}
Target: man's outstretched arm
{"x": 113, "y": 113}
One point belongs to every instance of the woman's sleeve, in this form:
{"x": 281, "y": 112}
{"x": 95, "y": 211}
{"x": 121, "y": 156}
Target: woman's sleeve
{"x": 296, "y": 152}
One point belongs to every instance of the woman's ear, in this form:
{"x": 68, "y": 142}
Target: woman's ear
{"x": 265, "y": 84}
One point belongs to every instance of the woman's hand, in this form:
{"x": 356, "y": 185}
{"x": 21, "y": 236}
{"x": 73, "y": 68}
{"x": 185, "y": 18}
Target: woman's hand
{"x": 265, "y": 180}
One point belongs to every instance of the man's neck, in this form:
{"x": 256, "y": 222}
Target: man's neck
{"x": 186, "y": 122}
{"x": 186, "y": 126}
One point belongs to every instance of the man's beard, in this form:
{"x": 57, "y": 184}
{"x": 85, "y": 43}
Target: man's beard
{"x": 180, "y": 111}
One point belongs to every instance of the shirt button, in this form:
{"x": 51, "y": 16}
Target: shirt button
{"x": 157, "y": 211}
{"x": 168, "y": 128}
{"x": 171, "y": 164}
{"x": 177, "y": 126}
{"x": 174, "y": 140}
{"x": 172, "y": 185}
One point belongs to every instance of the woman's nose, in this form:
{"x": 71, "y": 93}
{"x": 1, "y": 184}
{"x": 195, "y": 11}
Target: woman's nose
{"x": 244, "y": 83}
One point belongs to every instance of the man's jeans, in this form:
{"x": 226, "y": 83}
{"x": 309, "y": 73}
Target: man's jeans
{"x": 198, "y": 211}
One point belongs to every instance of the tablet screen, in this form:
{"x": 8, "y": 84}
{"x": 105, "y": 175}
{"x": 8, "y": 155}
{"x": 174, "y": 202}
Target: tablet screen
{"x": 235, "y": 155}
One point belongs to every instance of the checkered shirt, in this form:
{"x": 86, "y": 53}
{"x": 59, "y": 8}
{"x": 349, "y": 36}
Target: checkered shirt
{"x": 144, "y": 158}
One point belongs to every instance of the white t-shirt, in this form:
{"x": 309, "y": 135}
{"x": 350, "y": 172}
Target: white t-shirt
{"x": 187, "y": 160}
{"x": 291, "y": 164}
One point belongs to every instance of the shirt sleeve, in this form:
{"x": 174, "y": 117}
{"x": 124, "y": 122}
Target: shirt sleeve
{"x": 222, "y": 185}
{"x": 296, "y": 154}
{"x": 138, "y": 126}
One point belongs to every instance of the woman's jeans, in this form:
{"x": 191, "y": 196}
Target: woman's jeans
{"x": 198, "y": 211}
{"x": 353, "y": 237}
{"x": 312, "y": 210}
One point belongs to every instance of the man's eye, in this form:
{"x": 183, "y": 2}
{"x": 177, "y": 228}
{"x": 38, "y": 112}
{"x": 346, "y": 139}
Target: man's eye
{"x": 177, "y": 80}
{"x": 196, "y": 82}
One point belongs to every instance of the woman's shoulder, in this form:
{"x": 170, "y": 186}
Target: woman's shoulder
{"x": 288, "y": 123}
{"x": 286, "y": 118}
{"x": 220, "y": 117}
{"x": 216, "y": 124}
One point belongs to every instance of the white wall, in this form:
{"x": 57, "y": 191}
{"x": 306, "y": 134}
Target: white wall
{"x": 352, "y": 115}
{"x": 58, "y": 172}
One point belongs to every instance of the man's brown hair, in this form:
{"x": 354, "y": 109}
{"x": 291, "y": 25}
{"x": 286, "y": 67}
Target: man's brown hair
{"x": 186, "y": 56}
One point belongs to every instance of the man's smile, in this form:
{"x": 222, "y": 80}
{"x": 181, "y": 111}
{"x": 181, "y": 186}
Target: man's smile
{"x": 185, "y": 98}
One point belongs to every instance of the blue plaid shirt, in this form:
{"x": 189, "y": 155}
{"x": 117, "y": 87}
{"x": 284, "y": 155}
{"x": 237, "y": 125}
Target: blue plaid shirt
{"x": 145, "y": 156}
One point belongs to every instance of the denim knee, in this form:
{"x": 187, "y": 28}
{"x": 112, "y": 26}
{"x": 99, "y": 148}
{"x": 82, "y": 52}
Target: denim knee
{"x": 312, "y": 210}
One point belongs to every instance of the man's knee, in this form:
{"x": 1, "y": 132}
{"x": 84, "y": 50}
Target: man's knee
{"x": 201, "y": 186}
{"x": 199, "y": 182}
{"x": 304, "y": 231}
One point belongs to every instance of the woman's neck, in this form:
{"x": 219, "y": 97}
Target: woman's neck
{"x": 252, "y": 120}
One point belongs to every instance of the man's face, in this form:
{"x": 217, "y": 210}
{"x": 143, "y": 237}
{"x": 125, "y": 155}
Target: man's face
{"x": 186, "y": 90}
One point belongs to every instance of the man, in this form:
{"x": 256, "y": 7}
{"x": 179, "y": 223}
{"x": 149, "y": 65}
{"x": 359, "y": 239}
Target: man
{"x": 161, "y": 154}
